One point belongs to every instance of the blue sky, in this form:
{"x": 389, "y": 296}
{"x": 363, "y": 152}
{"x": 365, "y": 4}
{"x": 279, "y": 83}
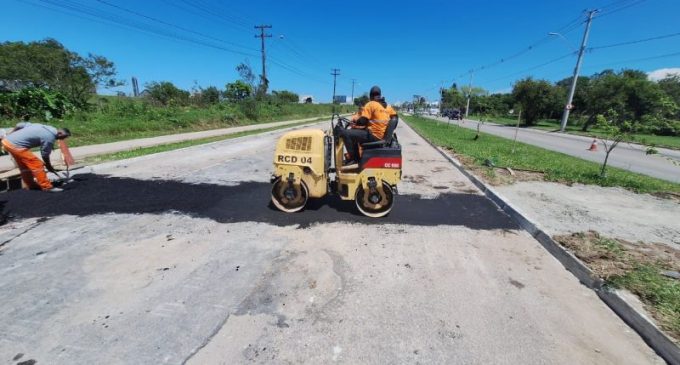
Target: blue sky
{"x": 406, "y": 47}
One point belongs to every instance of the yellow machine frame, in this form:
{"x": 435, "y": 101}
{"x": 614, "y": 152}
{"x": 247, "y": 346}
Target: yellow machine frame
{"x": 303, "y": 169}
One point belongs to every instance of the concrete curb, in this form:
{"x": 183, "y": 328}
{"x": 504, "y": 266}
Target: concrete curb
{"x": 637, "y": 320}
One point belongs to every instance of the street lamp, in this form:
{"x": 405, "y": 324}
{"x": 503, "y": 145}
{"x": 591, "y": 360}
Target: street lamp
{"x": 564, "y": 39}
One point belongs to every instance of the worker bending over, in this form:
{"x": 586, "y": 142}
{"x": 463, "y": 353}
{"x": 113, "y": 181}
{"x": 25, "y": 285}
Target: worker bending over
{"x": 19, "y": 142}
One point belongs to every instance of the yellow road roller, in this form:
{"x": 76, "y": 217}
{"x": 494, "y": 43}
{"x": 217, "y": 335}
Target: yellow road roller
{"x": 308, "y": 163}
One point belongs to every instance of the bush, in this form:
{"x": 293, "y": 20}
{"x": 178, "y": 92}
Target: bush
{"x": 659, "y": 127}
{"x": 285, "y": 96}
{"x": 35, "y": 103}
{"x": 166, "y": 93}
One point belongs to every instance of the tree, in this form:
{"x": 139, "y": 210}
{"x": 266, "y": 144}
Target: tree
{"x": 361, "y": 100}
{"x": 210, "y": 95}
{"x": 48, "y": 64}
{"x": 248, "y": 76}
{"x": 671, "y": 86}
{"x": 167, "y": 93}
{"x": 614, "y": 132}
{"x": 630, "y": 95}
{"x": 238, "y": 91}
{"x": 536, "y": 98}
{"x": 452, "y": 99}
{"x": 286, "y": 96}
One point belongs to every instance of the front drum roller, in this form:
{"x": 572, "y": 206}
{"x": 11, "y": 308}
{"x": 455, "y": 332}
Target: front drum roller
{"x": 289, "y": 197}
{"x": 376, "y": 202}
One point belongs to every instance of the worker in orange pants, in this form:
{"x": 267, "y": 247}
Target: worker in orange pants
{"x": 19, "y": 142}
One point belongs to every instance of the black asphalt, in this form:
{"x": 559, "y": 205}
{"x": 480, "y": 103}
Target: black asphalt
{"x": 94, "y": 194}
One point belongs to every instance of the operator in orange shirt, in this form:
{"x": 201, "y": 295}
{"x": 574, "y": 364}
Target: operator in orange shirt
{"x": 375, "y": 117}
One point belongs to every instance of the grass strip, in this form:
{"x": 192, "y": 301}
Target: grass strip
{"x": 122, "y": 155}
{"x": 554, "y": 166}
{"x": 671, "y": 142}
{"x": 636, "y": 267}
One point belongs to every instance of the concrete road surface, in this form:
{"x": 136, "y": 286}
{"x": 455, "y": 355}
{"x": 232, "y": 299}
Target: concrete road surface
{"x": 178, "y": 258}
{"x": 628, "y": 156}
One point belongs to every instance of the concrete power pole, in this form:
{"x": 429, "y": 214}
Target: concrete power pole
{"x": 135, "y": 87}
{"x": 262, "y": 36}
{"x": 577, "y": 69}
{"x": 335, "y": 73}
{"x": 352, "y": 99}
{"x": 467, "y": 104}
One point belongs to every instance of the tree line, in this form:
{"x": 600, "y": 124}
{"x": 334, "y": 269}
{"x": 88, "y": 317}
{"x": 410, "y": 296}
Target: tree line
{"x": 44, "y": 80}
{"x": 627, "y": 98}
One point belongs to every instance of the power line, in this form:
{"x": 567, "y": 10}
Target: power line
{"x": 635, "y": 41}
{"x": 244, "y": 24}
{"x": 667, "y": 55}
{"x": 623, "y": 7}
{"x": 173, "y": 25}
{"x": 92, "y": 14}
{"x": 570, "y": 54}
{"x": 119, "y": 21}
{"x": 207, "y": 16}
{"x": 569, "y": 27}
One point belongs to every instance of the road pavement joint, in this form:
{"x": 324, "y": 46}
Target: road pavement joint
{"x": 634, "y": 318}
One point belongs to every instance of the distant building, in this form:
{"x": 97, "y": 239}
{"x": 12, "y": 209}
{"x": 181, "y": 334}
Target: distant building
{"x": 306, "y": 99}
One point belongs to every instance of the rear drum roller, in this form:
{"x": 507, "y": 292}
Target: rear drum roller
{"x": 375, "y": 203}
{"x": 289, "y": 197}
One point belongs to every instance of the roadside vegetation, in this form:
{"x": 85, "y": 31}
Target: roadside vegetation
{"x": 137, "y": 152}
{"x": 552, "y": 125}
{"x": 45, "y": 82}
{"x": 490, "y": 155}
{"x": 648, "y": 112}
{"x": 649, "y": 271}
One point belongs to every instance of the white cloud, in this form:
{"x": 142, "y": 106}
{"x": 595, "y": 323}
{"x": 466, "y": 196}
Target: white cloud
{"x": 663, "y": 73}
{"x": 507, "y": 90}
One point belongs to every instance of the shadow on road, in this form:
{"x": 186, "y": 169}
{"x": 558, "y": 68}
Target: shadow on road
{"x": 248, "y": 202}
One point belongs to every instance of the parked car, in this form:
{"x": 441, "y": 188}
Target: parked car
{"x": 454, "y": 114}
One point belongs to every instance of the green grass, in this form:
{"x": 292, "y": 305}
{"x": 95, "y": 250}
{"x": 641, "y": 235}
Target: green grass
{"x": 672, "y": 142}
{"x": 658, "y": 291}
{"x": 114, "y": 119}
{"x": 555, "y": 166}
{"x": 636, "y": 267}
{"x": 175, "y": 146}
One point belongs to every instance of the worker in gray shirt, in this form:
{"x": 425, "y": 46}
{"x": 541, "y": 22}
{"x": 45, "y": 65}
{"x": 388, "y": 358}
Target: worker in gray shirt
{"x": 19, "y": 142}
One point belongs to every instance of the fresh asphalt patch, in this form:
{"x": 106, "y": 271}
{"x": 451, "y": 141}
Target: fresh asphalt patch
{"x": 92, "y": 194}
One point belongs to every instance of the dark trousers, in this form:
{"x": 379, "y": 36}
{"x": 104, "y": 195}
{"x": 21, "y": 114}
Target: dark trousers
{"x": 353, "y": 137}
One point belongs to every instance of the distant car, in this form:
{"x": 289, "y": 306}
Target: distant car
{"x": 455, "y": 114}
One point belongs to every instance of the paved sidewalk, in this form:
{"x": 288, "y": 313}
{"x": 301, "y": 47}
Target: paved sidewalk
{"x": 79, "y": 153}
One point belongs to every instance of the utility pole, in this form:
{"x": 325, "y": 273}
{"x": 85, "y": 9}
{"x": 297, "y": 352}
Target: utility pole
{"x": 335, "y": 73}
{"x": 264, "y": 82}
{"x": 467, "y": 105}
{"x": 577, "y": 69}
{"x": 353, "y": 81}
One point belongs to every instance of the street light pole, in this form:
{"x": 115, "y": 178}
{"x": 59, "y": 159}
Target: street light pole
{"x": 577, "y": 69}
